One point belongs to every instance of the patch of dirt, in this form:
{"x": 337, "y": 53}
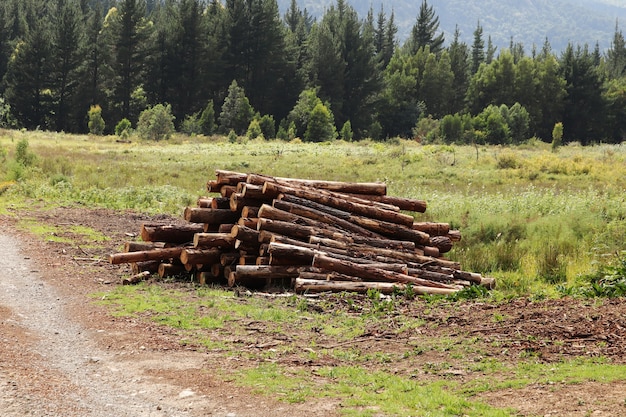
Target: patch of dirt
{"x": 62, "y": 354}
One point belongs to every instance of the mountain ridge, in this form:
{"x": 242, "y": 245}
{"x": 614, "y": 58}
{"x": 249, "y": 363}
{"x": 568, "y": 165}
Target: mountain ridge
{"x": 527, "y": 21}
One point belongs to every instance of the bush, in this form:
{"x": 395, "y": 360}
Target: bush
{"x": 557, "y": 136}
{"x": 320, "y": 127}
{"x": 122, "y": 129}
{"x": 96, "y": 122}
{"x": 254, "y": 129}
{"x": 268, "y": 126}
{"x": 346, "y": 131}
{"x": 207, "y": 119}
{"x": 6, "y": 117}
{"x": 23, "y": 154}
{"x": 156, "y": 123}
{"x": 237, "y": 113}
{"x": 192, "y": 125}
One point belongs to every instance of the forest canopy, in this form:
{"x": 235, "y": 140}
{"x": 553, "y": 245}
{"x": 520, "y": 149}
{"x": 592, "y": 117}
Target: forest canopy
{"x": 239, "y": 66}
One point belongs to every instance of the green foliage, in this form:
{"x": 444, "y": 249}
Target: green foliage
{"x": 346, "y": 131}
{"x": 427, "y": 130}
{"x": 156, "y": 123}
{"x": 191, "y": 125}
{"x": 7, "y": 120}
{"x": 96, "y": 122}
{"x": 237, "y": 113}
{"x": 320, "y": 127}
{"x": 301, "y": 112}
{"x": 207, "y": 119}
{"x": 254, "y": 129}
{"x": 122, "y": 129}
{"x": 493, "y": 126}
{"x": 557, "y": 136}
{"x": 23, "y": 155}
{"x": 608, "y": 281}
{"x": 268, "y": 126}
{"x": 232, "y": 136}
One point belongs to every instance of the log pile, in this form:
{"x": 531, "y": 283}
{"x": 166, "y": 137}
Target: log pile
{"x": 313, "y": 236}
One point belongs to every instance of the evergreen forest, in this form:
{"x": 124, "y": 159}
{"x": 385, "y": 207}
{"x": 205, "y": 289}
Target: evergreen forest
{"x": 239, "y": 67}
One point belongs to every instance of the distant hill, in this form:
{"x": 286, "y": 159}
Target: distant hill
{"x": 527, "y": 21}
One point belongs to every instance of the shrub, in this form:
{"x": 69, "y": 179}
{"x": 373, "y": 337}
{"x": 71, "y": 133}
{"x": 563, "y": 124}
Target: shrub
{"x": 254, "y": 129}
{"x": 268, "y": 126}
{"x": 207, "y": 119}
{"x": 96, "y": 122}
{"x": 156, "y": 123}
{"x": 23, "y": 155}
{"x": 346, "y": 131}
{"x": 122, "y": 129}
{"x": 557, "y": 136}
{"x": 237, "y": 113}
{"x": 192, "y": 125}
{"x": 320, "y": 127}
{"x": 6, "y": 117}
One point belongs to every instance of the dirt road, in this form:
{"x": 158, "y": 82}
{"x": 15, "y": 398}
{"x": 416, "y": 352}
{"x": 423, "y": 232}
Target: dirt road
{"x": 58, "y": 357}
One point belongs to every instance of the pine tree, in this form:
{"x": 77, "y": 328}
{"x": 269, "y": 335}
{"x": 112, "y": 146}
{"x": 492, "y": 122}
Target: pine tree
{"x": 237, "y": 113}
{"x": 66, "y": 53}
{"x": 616, "y": 56}
{"x": 130, "y": 32}
{"x": 424, "y": 32}
{"x": 460, "y": 66}
{"x": 478, "y": 49}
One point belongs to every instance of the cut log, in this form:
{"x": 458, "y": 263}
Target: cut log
{"x": 248, "y": 222}
{"x": 314, "y": 286}
{"x": 213, "y": 240}
{"x": 190, "y": 256}
{"x": 136, "y": 278}
{"x": 268, "y": 212}
{"x": 238, "y": 202}
{"x": 227, "y": 190}
{"x": 249, "y": 212}
{"x": 253, "y": 191}
{"x": 139, "y": 246}
{"x": 229, "y": 258}
{"x": 148, "y": 255}
{"x": 170, "y": 270}
{"x": 212, "y": 186}
{"x": 455, "y": 235}
{"x": 370, "y": 274}
{"x": 372, "y": 188}
{"x": 406, "y": 204}
{"x": 225, "y": 177}
{"x": 392, "y": 230}
{"x": 258, "y": 276}
{"x": 245, "y": 234}
{"x": 204, "y": 202}
{"x": 341, "y": 202}
{"x": 146, "y": 266}
{"x": 432, "y": 229}
{"x": 169, "y": 232}
{"x": 443, "y": 243}
{"x": 224, "y": 228}
{"x": 320, "y": 216}
{"x": 210, "y": 215}
{"x": 220, "y": 203}
{"x": 374, "y": 243}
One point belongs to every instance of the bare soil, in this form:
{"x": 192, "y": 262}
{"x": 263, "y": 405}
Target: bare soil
{"x": 63, "y": 354}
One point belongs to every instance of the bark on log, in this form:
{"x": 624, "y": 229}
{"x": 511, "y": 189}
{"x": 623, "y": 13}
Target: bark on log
{"x": 229, "y": 258}
{"x": 406, "y": 204}
{"x": 224, "y": 228}
{"x": 212, "y": 186}
{"x": 257, "y": 276}
{"x": 238, "y": 202}
{"x": 432, "y": 229}
{"x": 253, "y": 191}
{"x": 170, "y": 270}
{"x": 191, "y": 256}
{"x": 372, "y": 188}
{"x": 370, "y": 274}
{"x": 227, "y": 190}
{"x": 268, "y": 212}
{"x": 139, "y": 246}
{"x": 213, "y": 240}
{"x": 245, "y": 234}
{"x": 393, "y": 230}
{"x": 225, "y": 177}
{"x": 148, "y": 255}
{"x": 136, "y": 278}
{"x": 250, "y": 212}
{"x": 455, "y": 235}
{"x": 314, "y": 286}
{"x": 317, "y": 215}
{"x": 169, "y": 232}
{"x": 220, "y": 203}
{"x": 443, "y": 243}
{"x": 146, "y": 266}
{"x": 374, "y": 243}
{"x": 248, "y": 222}
{"x": 204, "y": 202}
{"x": 366, "y": 209}
{"x": 210, "y": 215}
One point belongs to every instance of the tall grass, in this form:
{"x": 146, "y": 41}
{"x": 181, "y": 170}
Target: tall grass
{"x": 530, "y": 217}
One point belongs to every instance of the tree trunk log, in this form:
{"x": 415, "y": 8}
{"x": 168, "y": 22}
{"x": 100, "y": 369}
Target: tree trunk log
{"x": 225, "y": 177}
{"x": 372, "y": 188}
{"x": 323, "y": 217}
{"x": 370, "y": 274}
{"x": 145, "y": 266}
{"x": 170, "y": 233}
{"x": 213, "y": 240}
{"x": 250, "y": 212}
{"x": 209, "y": 256}
{"x": 313, "y": 286}
{"x": 220, "y": 203}
{"x": 245, "y": 234}
{"x": 406, "y": 204}
{"x": 210, "y": 216}
{"x": 148, "y": 255}
{"x": 136, "y": 278}
{"x": 170, "y": 270}
{"x": 432, "y": 229}
{"x": 139, "y": 246}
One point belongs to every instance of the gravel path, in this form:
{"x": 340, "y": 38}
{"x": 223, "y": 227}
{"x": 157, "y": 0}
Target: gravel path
{"x": 63, "y": 358}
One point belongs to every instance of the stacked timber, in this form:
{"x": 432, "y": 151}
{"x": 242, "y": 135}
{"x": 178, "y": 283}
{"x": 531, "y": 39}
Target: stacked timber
{"x": 313, "y": 236}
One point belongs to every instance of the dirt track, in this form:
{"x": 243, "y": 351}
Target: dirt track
{"x": 62, "y": 355}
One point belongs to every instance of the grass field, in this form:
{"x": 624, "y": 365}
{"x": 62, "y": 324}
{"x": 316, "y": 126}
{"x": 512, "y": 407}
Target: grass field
{"x": 543, "y": 223}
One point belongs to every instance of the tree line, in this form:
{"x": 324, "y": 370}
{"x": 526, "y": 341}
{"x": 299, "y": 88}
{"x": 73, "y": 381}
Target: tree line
{"x": 237, "y": 65}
